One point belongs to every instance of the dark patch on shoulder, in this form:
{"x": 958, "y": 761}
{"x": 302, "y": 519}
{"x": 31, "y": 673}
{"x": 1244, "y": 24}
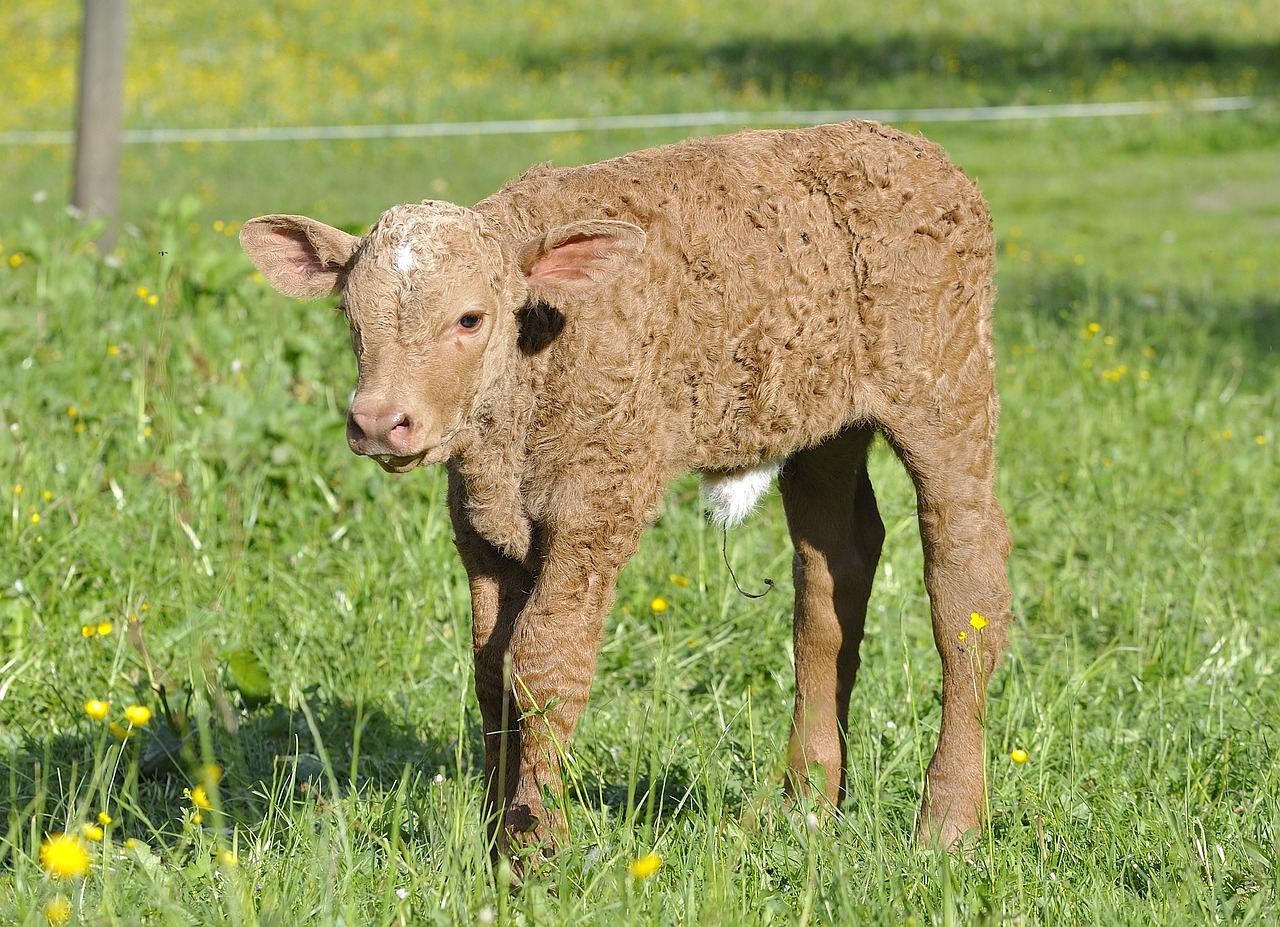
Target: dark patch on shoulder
{"x": 540, "y": 323}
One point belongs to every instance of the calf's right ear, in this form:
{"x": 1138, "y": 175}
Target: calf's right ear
{"x": 300, "y": 257}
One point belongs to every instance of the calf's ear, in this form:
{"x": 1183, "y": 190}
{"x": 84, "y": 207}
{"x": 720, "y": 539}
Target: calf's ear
{"x": 300, "y": 257}
{"x": 576, "y": 258}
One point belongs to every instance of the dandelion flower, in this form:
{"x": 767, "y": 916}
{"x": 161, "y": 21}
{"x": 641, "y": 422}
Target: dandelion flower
{"x": 104, "y": 819}
{"x": 57, "y": 910}
{"x": 977, "y": 622}
{"x": 1019, "y": 756}
{"x": 211, "y": 772}
{"x": 119, "y": 731}
{"x": 92, "y": 832}
{"x": 678, "y": 580}
{"x": 962, "y": 636}
{"x": 17, "y": 489}
{"x": 87, "y": 631}
{"x": 137, "y": 715}
{"x": 113, "y": 349}
{"x": 105, "y": 628}
{"x": 645, "y": 866}
{"x": 199, "y": 797}
{"x": 227, "y": 858}
{"x": 35, "y": 518}
{"x": 64, "y": 856}
{"x": 96, "y": 708}
{"x": 659, "y": 604}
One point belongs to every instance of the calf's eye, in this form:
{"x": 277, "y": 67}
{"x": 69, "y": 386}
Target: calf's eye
{"x": 469, "y": 322}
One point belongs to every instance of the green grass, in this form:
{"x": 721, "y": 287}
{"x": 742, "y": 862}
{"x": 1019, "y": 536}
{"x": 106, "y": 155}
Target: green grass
{"x": 306, "y": 619}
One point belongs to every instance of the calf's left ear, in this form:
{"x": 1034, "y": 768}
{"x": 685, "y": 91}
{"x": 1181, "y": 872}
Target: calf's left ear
{"x": 576, "y": 258}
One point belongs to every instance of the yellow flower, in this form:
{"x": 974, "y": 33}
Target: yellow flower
{"x": 57, "y": 910}
{"x": 200, "y": 798}
{"x": 137, "y": 715}
{"x": 211, "y": 772}
{"x": 962, "y": 636}
{"x": 92, "y": 832}
{"x": 1019, "y": 756}
{"x": 645, "y": 866}
{"x": 35, "y": 518}
{"x": 113, "y": 349}
{"x": 678, "y": 580}
{"x": 72, "y": 411}
{"x": 119, "y": 731}
{"x": 15, "y": 260}
{"x": 46, "y": 496}
{"x": 227, "y": 858}
{"x": 977, "y": 622}
{"x": 105, "y": 628}
{"x": 143, "y": 292}
{"x": 17, "y": 489}
{"x": 153, "y": 299}
{"x": 88, "y": 630}
{"x": 64, "y": 856}
{"x": 659, "y": 604}
{"x": 96, "y": 708}
{"x": 104, "y": 819}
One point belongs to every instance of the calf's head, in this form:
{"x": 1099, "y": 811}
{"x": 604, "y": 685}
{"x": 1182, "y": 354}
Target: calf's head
{"x": 431, "y": 296}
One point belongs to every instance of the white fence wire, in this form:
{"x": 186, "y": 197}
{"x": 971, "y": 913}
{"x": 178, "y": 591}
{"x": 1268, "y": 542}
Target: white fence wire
{"x": 654, "y": 121}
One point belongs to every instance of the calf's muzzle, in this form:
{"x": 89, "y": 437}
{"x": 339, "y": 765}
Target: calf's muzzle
{"x": 387, "y": 433}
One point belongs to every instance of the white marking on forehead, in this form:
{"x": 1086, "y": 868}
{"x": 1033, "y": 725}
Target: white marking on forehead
{"x": 405, "y": 260}
{"x": 416, "y": 234}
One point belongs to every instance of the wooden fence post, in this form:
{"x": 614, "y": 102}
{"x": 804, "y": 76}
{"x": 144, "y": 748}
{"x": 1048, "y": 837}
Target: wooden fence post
{"x": 100, "y": 116}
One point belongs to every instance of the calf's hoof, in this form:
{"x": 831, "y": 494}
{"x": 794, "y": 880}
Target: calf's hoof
{"x": 953, "y": 828}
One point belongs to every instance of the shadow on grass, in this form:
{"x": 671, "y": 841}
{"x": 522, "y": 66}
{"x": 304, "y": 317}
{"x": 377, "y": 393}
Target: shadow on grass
{"x": 1247, "y": 326}
{"x": 275, "y": 756}
{"x": 809, "y": 66}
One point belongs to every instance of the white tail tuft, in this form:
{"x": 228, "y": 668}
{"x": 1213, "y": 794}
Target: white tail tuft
{"x": 731, "y": 497}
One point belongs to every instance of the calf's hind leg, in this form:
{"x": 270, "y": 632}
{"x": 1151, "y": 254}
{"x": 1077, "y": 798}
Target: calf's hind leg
{"x": 836, "y": 529}
{"x": 966, "y": 550}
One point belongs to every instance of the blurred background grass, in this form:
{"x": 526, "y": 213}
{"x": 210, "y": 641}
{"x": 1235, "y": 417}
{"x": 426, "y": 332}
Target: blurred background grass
{"x": 1114, "y": 192}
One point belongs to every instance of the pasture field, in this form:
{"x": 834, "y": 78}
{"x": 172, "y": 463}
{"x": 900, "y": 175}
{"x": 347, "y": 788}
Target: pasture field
{"x": 183, "y": 529}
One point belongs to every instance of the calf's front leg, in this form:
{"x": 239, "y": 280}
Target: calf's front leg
{"x": 534, "y": 672}
{"x": 500, "y": 588}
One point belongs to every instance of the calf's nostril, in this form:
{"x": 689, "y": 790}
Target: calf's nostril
{"x": 355, "y": 434}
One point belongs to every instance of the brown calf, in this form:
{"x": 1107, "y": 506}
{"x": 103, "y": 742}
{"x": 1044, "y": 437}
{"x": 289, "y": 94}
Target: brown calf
{"x": 731, "y": 306}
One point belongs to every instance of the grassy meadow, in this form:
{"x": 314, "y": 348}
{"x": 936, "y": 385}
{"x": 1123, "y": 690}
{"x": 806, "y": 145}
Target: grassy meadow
{"x": 182, "y": 529}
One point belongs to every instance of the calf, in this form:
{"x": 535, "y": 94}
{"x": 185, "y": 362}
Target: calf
{"x": 736, "y": 306}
